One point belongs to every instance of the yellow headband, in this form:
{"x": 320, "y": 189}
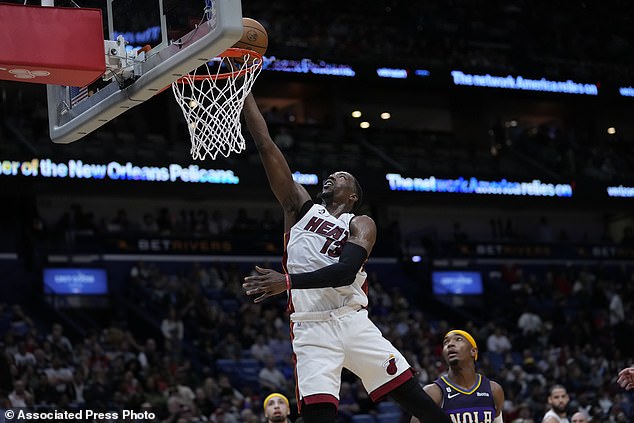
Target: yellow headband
{"x": 273, "y": 395}
{"x": 467, "y": 336}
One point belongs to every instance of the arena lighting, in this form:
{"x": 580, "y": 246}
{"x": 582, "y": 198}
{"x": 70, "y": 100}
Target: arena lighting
{"x": 626, "y": 91}
{"x": 535, "y": 188}
{"x": 422, "y": 72}
{"x": 364, "y": 125}
{"x": 611, "y": 130}
{"x": 510, "y": 82}
{"x": 356, "y": 114}
{"x": 385, "y": 115}
{"x": 416, "y": 259}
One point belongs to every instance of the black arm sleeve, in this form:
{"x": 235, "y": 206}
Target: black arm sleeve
{"x": 304, "y": 209}
{"x": 338, "y": 274}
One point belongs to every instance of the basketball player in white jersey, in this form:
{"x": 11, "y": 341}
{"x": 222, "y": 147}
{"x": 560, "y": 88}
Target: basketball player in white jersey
{"x": 326, "y": 248}
{"x": 558, "y": 400}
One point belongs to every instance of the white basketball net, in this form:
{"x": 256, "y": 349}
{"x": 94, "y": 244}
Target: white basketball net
{"x": 212, "y": 97}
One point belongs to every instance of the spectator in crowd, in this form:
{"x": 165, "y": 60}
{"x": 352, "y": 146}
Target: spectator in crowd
{"x": 529, "y": 323}
{"x": 260, "y": 350}
{"x": 271, "y": 378}
{"x": 173, "y": 331}
{"x": 77, "y": 388}
{"x": 558, "y": 400}
{"x": 60, "y": 342}
{"x": 617, "y": 312}
{"x": 148, "y": 355}
{"x": 23, "y": 357}
{"x": 579, "y": 417}
{"x": 498, "y": 342}
{"x": 59, "y": 375}
{"x": 276, "y": 408}
{"x": 20, "y": 397}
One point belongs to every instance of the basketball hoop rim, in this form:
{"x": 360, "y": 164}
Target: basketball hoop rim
{"x": 230, "y": 52}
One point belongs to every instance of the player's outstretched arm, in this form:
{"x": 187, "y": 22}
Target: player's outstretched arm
{"x": 354, "y": 253}
{"x": 289, "y": 194}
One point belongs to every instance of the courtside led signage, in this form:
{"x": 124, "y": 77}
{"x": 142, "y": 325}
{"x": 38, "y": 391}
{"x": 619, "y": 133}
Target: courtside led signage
{"x": 626, "y": 91}
{"x": 462, "y": 185}
{"x": 115, "y": 171}
{"x": 621, "y": 191}
{"x": 307, "y": 66}
{"x": 77, "y": 169}
{"x": 525, "y": 84}
{"x": 392, "y": 73}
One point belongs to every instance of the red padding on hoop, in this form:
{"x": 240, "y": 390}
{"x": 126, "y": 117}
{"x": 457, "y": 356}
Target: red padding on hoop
{"x": 51, "y": 45}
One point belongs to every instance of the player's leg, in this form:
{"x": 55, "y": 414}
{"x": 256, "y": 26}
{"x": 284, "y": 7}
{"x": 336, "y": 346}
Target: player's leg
{"x": 319, "y": 413}
{"x": 411, "y": 396}
{"x": 383, "y": 369}
{"x": 319, "y": 361}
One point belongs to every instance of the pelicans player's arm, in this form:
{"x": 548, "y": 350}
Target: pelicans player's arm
{"x": 434, "y": 393}
{"x": 354, "y": 254}
{"x": 498, "y": 397}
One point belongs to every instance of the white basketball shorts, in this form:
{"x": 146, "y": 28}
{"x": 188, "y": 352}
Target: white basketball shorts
{"x": 346, "y": 338}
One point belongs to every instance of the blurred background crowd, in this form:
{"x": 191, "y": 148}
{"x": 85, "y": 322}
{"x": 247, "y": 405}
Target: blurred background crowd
{"x": 189, "y": 345}
{"x": 175, "y": 335}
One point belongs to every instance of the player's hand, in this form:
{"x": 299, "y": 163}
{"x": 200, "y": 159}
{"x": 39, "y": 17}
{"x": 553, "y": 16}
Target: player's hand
{"x": 268, "y": 283}
{"x": 626, "y": 378}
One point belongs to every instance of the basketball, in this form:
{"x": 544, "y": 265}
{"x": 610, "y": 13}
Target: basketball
{"x": 254, "y": 36}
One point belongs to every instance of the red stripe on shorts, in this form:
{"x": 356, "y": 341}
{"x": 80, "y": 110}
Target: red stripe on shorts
{"x": 321, "y": 398}
{"x": 388, "y": 387}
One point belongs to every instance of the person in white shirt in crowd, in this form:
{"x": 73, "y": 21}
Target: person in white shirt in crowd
{"x": 20, "y": 397}
{"x": 77, "y": 388}
{"x": 260, "y": 350}
{"x": 58, "y": 375}
{"x": 173, "y": 330}
{"x": 23, "y": 357}
{"x": 498, "y": 341}
{"x": 271, "y": 378}
{"x": 529, "y": 322}
{"x": 617, "y": 312}
{"x": 148, "y": 355}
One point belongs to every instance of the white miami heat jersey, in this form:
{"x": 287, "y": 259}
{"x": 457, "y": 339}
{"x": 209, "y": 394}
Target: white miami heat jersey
{"x": 314, "y": 242}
